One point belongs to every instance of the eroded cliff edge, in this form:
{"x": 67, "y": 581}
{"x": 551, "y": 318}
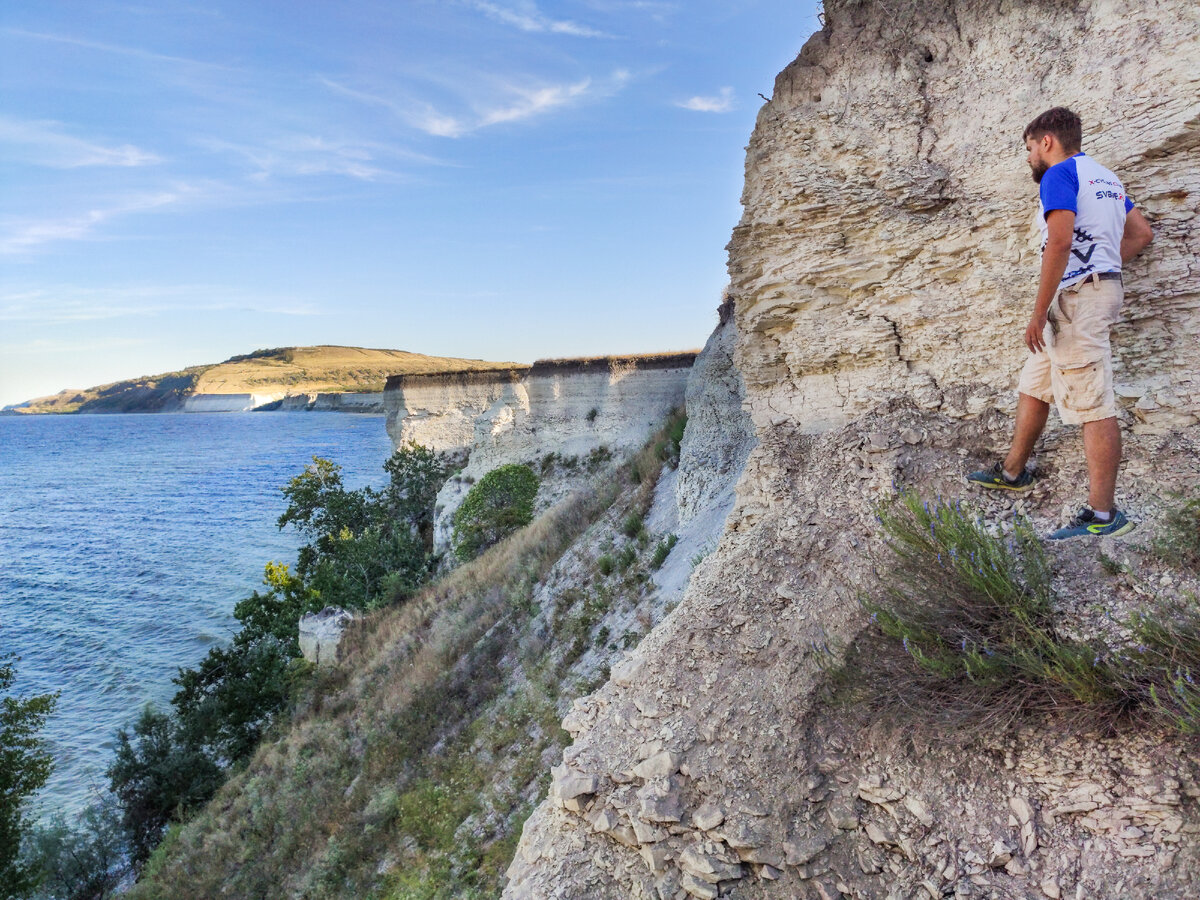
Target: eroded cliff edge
{"x": 882, "y": 276}
{"x": 551, "y": 415}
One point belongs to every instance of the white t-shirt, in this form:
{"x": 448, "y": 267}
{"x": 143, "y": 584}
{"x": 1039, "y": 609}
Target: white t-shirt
{"x": 1100, "y": 204}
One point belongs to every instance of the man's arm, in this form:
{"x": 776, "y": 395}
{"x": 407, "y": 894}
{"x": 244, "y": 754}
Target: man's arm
{"x": 1060, "y": 223}
{"x": 1137, "y": 235}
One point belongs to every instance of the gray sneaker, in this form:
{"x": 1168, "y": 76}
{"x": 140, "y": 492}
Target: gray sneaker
{"x": 994, "y": 478}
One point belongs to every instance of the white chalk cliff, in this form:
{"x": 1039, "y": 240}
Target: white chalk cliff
{"x": 565, "y": 409}
{"x": 882, "y": 276}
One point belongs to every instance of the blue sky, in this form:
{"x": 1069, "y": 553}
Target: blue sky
{"x": 503, "y": 179}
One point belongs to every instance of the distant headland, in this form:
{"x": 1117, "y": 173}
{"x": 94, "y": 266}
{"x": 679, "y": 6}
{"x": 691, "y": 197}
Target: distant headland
{"x": 290, "y": 378}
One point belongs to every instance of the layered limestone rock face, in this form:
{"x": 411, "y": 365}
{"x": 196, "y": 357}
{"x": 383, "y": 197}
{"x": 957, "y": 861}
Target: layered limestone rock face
{"x": 439, "y": 410}
{"x": 888, "y": 242}
{"x": 883, "y": 274}
{"x": 553, "y": 416}
{"x": 693, "y": 500}
{"x": 571, "y": 407}
{"x": 720, "y": 434}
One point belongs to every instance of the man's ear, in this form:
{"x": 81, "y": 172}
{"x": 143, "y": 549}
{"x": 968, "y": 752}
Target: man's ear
{"x": 1048, "y": 140}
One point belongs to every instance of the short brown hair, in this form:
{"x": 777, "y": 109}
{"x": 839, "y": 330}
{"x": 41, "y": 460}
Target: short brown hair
{"x": 1060, "y": 122}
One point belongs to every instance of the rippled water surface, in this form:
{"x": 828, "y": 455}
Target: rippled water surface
{"x": 125, "y": 542}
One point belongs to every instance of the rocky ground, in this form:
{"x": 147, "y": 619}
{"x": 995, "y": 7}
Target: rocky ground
{"x": 710, "y": 764}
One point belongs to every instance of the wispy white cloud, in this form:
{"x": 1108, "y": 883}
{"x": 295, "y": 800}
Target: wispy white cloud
{"x": 23, "y": 236}
{"x": 722, "y": 103}
{"x": 46, "y": 143}
{"x": 507, "y": 101}
{"x": 526, "y": 16}
{"x": 299, "y": 155}
{"x": 534, "y": 101}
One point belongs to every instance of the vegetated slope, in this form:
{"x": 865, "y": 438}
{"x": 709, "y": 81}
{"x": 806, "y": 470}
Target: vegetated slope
{"x": 409, "y": 771}
{"x": 292, "y": 370}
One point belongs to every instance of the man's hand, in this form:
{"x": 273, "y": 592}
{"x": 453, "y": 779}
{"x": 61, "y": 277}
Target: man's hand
{"x": 1035, "y": 334}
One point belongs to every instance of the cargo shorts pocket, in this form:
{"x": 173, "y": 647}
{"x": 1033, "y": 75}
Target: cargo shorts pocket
{"x": 1081, "y": 388}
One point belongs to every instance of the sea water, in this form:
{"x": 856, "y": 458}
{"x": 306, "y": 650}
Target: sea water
{"x": 125, "y": 542}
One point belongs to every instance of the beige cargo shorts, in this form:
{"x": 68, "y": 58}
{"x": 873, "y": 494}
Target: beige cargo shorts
{"x": 1075, "y": 370}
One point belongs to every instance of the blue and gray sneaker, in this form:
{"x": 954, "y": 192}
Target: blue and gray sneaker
{"x": 1085, "y": 525}
{"x": 995, "y": 478}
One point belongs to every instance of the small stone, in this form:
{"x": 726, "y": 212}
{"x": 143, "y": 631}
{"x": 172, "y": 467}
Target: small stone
{"x": 577, "y": 804}
{"x": 911, "y": 435}
{"x": 797, "y": 853}
{"x": 769, "y": 873}
{"x": 696, "y": 887}
{"x": 1029, "y": 840}
{"x": 656, "y": 857}
{"x": 878, "y": 441}
{"x": 878, "y": 835}
{"x": 711, "y": 861}
{"x": 604, "y": 820}
{"x": 660, "y": 765}
{"x": 919, "y": 810}
{"x": 708, "y": 817}
{"x": 320, "y": 635}
{"x": 647, "y": 833}
{"x": 843, "y": 817}
{"x": 1022, "y": 809}
{"x": 1050, "y": 887}
{"x": 659, "y": 800}
{"x": 568, "y": 783}
{"x": 999, "y": 855}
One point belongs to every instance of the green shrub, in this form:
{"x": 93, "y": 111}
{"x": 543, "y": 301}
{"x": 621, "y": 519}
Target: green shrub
{"x": 606, "y": 564}
{"x": 663, "y": 450}
{"x": 632, "y": 526}
{"x": 25, "y": 765}
{"x": 158, "y": 774}
{"x": 494, "y": 508}
{"x": 84, "y": 860}
{"x": 966, "y": 630}
{"x": 663, "y": 550}
{"x": 1179, "y": 539}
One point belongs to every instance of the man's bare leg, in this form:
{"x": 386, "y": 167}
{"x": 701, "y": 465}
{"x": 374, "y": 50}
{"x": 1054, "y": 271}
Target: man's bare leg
{"x": 1102, "y": 446}
{"x": 1031, "y": 419}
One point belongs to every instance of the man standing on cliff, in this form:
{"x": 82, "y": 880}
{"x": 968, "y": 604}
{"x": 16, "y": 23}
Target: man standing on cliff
{"x": 1090, "y": 228}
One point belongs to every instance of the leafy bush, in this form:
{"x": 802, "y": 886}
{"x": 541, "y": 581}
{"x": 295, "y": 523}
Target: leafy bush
{"x": 158, "y": 774}
{"x": 25, "y": 764}
{"x": 365, "y": 547}
{"x": 1179, "y": 540}
{"x": 663, "y": 450}
{"x": 663, "y": 550}
{"x": 966, "y": 629}
{"x": 494, "y": 508}
{"x": 632, "y": 526}
{"x": 84, "y": 861}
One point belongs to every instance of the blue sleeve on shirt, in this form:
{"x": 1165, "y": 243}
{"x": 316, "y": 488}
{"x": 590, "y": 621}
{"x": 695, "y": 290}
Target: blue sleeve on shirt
{"x": 1060, "y": 187}
{"x": 1128, "y": 205}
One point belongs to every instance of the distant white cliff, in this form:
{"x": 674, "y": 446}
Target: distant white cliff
{"x": 570, "y": 408}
